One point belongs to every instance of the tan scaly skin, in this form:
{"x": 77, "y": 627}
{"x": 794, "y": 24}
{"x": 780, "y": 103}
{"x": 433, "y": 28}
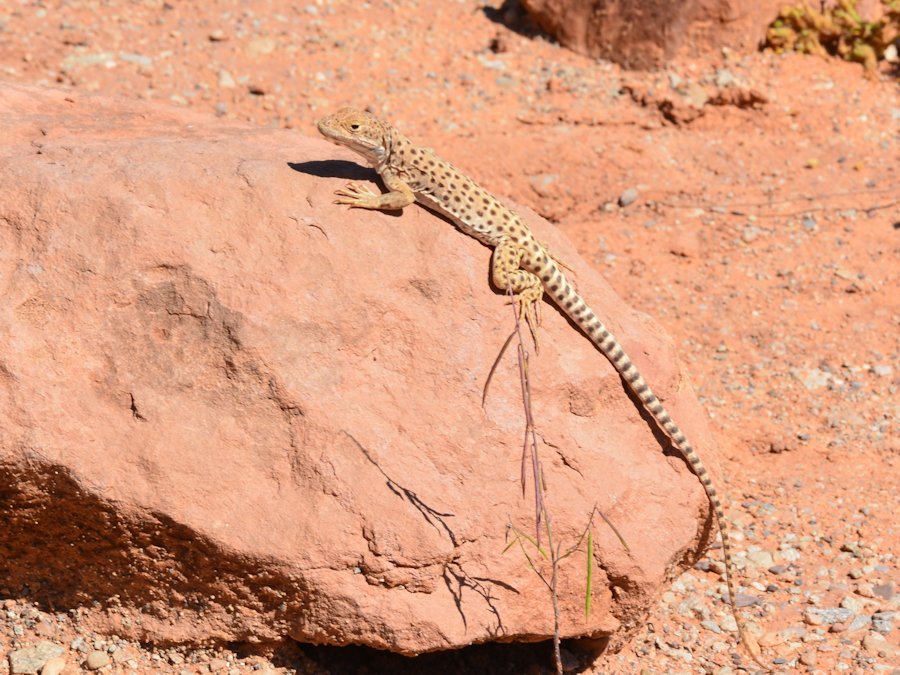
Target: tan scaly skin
{"x": 520, "y": 262}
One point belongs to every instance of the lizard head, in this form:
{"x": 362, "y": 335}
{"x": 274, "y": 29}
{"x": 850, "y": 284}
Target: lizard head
{"x": 358, "y": 130}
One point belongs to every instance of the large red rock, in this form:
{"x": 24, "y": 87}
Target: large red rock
{"x": 232, "y": 410}
{"x": 648, "y": 33}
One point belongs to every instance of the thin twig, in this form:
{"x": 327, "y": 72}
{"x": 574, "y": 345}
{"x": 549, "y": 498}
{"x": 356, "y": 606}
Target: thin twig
{"x": 554, "y": 562}
{"x": 530, "y": 440}
{"x": 613, "y": 528}
{"x": 487, "y": 382}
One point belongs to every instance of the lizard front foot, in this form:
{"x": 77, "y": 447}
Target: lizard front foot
{"x": 357, "y": 195}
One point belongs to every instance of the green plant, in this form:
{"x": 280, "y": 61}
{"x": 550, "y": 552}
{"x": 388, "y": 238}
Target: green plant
{"x": 837, "y": 30}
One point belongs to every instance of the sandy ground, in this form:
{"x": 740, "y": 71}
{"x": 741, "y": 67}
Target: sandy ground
{"x": 760, "y": 226}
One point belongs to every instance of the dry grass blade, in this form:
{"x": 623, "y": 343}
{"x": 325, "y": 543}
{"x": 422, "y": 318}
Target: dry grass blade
{"x": 487, "y": 382}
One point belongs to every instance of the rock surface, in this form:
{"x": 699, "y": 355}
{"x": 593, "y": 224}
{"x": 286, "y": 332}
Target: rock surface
{"x": 647, "y": 34}
{"x": 231, "y": 410}
{"x": 34, "y": 660}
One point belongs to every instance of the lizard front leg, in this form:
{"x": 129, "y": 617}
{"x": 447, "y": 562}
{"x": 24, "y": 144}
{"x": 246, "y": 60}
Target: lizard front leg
{"x": 506, "y": 273}
{"x": 358, "y": 195}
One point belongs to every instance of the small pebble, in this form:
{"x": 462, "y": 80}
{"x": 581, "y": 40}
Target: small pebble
{"x": 853, "y": 604}
{"x": 711, "y": 626}
{"x": 814, "y": 379}
{"x": 859, "y": 622}
{"x": 724, "y": 78}
{"x": 839, "y": 627}
{"x": 628, "y": 197}
{"x": 826, "y": 616}
{"x": 760, "y": 558}
{"x": 54, "y": 666}
{"x": 885, "y": 591}
{"x": 226, "y": 81}
{"x": 96, "y": 660}
{"x": 875, "y": 643}
{"x": 749, "y": 233}
{"x": 882, "y": 622}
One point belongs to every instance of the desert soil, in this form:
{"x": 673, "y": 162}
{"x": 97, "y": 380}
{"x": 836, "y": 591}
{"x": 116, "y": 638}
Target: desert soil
{"x": 749, "y": 202}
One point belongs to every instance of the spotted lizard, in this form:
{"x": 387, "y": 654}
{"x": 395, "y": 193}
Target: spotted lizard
{"x": 520, "y": 263}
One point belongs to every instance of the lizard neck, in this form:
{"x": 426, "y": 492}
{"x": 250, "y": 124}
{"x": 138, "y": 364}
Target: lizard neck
{"x": 395, "y": 146}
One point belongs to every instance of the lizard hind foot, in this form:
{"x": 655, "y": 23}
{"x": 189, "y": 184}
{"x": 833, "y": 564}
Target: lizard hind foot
{"x": 529, "y": 309}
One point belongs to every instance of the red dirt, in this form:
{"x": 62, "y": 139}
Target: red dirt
{"x": 763, "y": 237}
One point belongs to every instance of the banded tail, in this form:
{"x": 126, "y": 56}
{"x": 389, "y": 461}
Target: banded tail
{"x": 568, "y": 299}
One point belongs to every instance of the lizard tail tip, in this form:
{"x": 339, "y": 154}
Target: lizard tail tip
{"x": 753, "y": 648}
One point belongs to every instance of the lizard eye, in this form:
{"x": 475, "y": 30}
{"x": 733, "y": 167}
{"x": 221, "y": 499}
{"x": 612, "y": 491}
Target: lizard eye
{"x": 354, "y": 127}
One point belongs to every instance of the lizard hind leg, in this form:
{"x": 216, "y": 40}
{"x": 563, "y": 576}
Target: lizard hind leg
{"x": 507, "y": 274}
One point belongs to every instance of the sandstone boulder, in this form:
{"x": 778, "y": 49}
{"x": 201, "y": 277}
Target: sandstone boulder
{"x": 231, "y": 410}
{"x": 646, "y": 34}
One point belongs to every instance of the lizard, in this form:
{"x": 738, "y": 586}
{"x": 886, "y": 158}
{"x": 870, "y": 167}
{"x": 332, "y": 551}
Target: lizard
{"x": 519, "y": 263}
